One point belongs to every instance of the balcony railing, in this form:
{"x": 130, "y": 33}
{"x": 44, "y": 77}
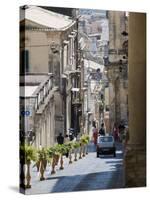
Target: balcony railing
{"x": 44, "y": 91}
{"x": 76, "y": 96}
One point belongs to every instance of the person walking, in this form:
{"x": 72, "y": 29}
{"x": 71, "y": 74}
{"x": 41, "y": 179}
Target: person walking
{"x": 121, "y": 130}
{"x": 102, "y": 130}
{"x": 116, "y": 132}
{"x": 95, "y": 135}
{"x": 66, "y": 139}
{"x": 60, "y": 139}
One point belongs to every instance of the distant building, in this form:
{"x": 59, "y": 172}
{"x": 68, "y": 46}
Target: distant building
{"x": 94, "y": 24}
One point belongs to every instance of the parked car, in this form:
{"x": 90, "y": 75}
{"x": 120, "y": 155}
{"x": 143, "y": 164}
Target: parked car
{"x": 106, "y": 145}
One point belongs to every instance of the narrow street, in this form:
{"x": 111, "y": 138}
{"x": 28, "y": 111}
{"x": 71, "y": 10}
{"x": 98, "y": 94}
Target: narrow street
{"x": 88, "y": 173}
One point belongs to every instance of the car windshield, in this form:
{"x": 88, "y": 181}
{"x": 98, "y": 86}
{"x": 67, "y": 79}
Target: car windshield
{"x": 106, "y": 139}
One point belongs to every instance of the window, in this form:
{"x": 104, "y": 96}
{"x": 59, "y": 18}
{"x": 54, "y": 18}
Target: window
{"x": 24, "y": 61}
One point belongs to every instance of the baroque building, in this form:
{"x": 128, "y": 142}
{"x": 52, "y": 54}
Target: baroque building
{"x": 117, "y": 68}
{"x": 49, "y": 44}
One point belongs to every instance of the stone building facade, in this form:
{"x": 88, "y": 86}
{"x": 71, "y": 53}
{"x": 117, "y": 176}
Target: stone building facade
{"x": 48, "y": 44}
{"x": 37, "y": 109}
{"x": 117, "y": 68}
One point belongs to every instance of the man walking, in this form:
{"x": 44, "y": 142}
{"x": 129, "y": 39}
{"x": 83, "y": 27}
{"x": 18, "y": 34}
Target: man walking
{"x": 60, "y": 139}
{"x": 102, "y": 130}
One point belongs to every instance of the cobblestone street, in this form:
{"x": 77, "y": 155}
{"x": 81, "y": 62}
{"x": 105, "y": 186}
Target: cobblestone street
{"x": 88, "y": 173}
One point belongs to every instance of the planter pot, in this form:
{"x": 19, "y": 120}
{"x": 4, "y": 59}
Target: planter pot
{"x": 83, "y": 151}
{"x": 37, "y": 165}
{"x": 56, "y": 159}
{"x": 86, "y": 149}
{"x": 75, "y": 154}
{"x": 61, "y": 163}
{"x": 54, "y": 163}
{"x": 53, "y": 166}
{"x": 42, "y": 169}
{"x": 80, "y": 153}
{"x": 45, "y": 164}
{"x": 70, "y": 157}
{"x": 28, "y": 176}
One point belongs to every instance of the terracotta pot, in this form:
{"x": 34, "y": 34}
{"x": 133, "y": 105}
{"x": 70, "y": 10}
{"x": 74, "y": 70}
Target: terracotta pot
{"x": 56, "y": 159}
{"x": 28, "y": 176}
{"x": 38, "y": 165}
{"x": 61, "y": 163}
{"x": 42, "y": 169}
{"x": 53, "y": 165}
{"x": 86, "y": 149}
{"x": 70, "y": 157}
{"x": 75, "y": 155}
{"x": 80, "y": 153}
{"x": 83, "y": 151}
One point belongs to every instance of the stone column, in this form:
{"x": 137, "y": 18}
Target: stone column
{"x": 135, "y": 157}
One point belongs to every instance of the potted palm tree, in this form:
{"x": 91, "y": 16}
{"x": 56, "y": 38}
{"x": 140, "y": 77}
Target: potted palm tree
{"x": 62, "y": 149}
{"x": 28, "y": 154}
{"x": 76, "y": 146}
{"x": 54, "y": 154}
{"x": 42, "y": 162}
{"x": 84, "y": 142}
{"x": 69, "y": 148}
{"x": 80, "y": 149}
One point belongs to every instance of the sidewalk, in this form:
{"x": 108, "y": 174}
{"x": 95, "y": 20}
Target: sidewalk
{"x": 88, "y": 173}
{"x": 70, "y": 170}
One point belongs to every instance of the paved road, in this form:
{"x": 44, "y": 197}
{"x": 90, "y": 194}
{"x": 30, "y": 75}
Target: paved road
{"x": 88, "y": 173}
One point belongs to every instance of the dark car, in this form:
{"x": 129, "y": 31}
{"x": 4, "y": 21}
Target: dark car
{"x": 106, "y": 145}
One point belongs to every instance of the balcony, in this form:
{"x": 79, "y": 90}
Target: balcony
{"x": 76, "y": 96}
{"x": 43, "y": 91}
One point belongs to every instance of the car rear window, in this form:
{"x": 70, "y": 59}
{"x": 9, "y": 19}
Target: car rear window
{"x": 106, "y": 139}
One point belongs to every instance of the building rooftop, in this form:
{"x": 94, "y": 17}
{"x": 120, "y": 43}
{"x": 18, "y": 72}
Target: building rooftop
{"x": 46, "y": 18}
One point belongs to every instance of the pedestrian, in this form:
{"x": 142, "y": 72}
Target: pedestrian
{"x": 116, "y": 132}
{"x": 102, "y": 130}
{"x": 95, "y": 135}
{"x": 121, "y": 131}
{"x": 71, "y": 134}
{"x": 66, "y": 139}
{"x": 71, "y": 137}
{"x": 60, "y": 139}
{"x": 127, "y": 137}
